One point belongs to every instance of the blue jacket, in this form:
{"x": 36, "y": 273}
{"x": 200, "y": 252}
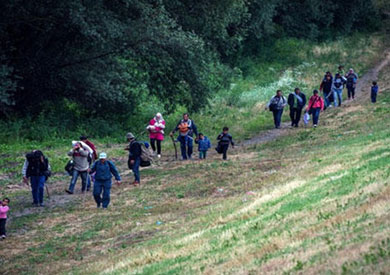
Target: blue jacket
{"x": 104, "y": 171}
{"x": 203, "y": 144}
{"x": 374, "y": 89}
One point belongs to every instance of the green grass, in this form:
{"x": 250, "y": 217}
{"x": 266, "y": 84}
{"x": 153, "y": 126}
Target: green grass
{"x": 313, "y": 201}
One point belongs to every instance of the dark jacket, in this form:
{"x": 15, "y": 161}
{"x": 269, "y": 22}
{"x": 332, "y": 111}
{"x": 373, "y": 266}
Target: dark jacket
{"x": 204, "y": 144}
{"x": 34, "y": 166}
{"x": 291, "y": 99}
{"x": 326, "y": 85}
{"x": 134, "y": 150}
{"x": 191, "y": 127}
{"x": 104, "y": 171}
{"x": 225, "y": 139}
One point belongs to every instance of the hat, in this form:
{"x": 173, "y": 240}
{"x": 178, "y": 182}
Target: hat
{"x": 74, "y": 143}
{"x": 129, "y": 135}
{"x": 102, "y": 155}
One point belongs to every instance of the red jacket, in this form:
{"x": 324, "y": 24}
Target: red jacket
{"x": 315, "y": 101}
{"x": 93, "y": 147}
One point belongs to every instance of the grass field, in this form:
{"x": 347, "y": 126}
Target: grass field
{"x": 310, "y": 201}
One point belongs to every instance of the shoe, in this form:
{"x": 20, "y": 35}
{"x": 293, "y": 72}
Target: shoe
{"x": 69, "y": 192}
{"x": 159, "y": 156}
{"x": 3, "y": 237}
{"x": 42, "y": 205}
{"x": 315, "y": 125}
{"x": 135, "y": 183}
{"x": 296, "y": 126}
{"x": 35, "y": 204}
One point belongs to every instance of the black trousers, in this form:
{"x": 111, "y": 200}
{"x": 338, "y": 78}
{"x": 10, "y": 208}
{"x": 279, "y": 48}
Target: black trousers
{"x": 153, "y": 143}
{"x": 351, "y": 92}
{"x": 2, "y": 227}
{"x": 225, "y": 148}
{"x": 295, "y": 115}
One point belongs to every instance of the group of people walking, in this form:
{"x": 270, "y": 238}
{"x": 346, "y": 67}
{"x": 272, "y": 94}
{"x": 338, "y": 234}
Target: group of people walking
{"x": 99, "y": 170}
{"x": 332, "y": 89}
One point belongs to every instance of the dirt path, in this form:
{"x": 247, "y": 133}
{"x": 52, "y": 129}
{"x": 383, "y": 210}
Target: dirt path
{"x": 363, "y": 89}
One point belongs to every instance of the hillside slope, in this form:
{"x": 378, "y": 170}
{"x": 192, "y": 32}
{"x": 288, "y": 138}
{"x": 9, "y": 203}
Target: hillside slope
{"x": 308, "y": 200}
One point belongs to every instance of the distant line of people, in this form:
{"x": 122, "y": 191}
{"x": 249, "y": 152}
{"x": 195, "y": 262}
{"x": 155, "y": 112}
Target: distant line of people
{"x": 332, "y": 89}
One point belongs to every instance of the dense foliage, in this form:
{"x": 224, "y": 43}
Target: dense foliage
{"x": 72, "y": 60}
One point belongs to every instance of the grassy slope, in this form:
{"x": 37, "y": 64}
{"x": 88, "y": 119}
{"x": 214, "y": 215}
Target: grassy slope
{"x": 318, "y": 204}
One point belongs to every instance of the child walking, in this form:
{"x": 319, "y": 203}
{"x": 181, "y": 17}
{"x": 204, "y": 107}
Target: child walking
{"x": 224, "y": 140}
{"x": 204, "y": 145}
{"x": 3, "y": 216}
{"x": 374, "y": 91}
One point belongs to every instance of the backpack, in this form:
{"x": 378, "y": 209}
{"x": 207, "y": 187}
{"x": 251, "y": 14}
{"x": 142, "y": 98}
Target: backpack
{"x": 35, "y": 166}
{"x": 69, "y": 167}
{"x": 146, "y": 155}
{"x": 183, "y": 127}
{"x": 350, "y": 80}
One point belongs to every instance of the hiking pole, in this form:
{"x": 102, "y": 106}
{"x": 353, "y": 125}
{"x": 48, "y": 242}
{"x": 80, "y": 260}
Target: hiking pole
{"x": 174, "y": 145}
{"x": 47, "y": 191}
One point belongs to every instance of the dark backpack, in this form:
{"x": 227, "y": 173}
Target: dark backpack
{"x": 350, "y": 80}
{"x": 69, "y": 167}
{"x": 35, "y": 166}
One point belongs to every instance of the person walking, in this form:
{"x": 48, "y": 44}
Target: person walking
{"x": 337, "y": 89}
{"x": 187, "y": 129}
{"x": 276, "y": 106}
{"x": 351, "y": 82}
{"x": 36, "y": 168}
{"x": 374, "y": 91}
{"x": 156, "y": 133}
{"x": 91, "y": 159}
{"x": 80, "y": 168}
{"x": 225, "y": 139}
{"x": 204, "y": 145}
{"x": 135, "y": 151}
{"x": 326, "y": 89}
{"x": 296, "y": 101}
{"x": 4, "y": 208}
{"x": 104, "y": 170}
{"x": 315, "y": 106}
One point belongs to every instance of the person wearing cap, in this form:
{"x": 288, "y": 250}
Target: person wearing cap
{"x": 104, "y": 170}
{"x": 134, "y": 149}
{"x": 80, "y": 168}
{"x": 94, "y": 157}
{"x": 156, "y": 132}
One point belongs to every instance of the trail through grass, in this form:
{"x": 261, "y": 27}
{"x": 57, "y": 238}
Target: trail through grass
{"x": 307, "y": 201}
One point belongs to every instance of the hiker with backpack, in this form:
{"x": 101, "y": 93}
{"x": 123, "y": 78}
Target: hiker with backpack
{"x": 134, "y": 161}
{"x": 224, "y": 140}
{"x": 104, "y": 170}
{"x": 204, "y": 145}
{"x": 326, "y": 89}
{"x": 315, "y": 106}
{"x": 296, "y": 101}
{"x": 36, "y": 168}
{"x": 79, "y": 155}
{"x": 92, "y": 158}
{"x": 352, "y": 78}
{"x": 156, "y": 133}
{"x": 187, "y": 129}
{"x": 276, "y": 106}
{"x": 337, "y": 89}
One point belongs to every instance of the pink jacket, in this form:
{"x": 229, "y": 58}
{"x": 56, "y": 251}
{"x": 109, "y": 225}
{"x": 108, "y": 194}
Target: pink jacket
{"x": 158, "y": 132}
{"x": 315, "y": 102}
{"x": 3, "y": 212}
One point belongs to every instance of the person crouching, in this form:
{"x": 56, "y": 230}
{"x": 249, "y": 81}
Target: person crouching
{"x": 104, "y": 170}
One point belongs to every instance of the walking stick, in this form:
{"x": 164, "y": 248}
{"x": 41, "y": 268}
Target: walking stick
{"x": 174, "y": 145}
{"x": 47, "y": 191}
